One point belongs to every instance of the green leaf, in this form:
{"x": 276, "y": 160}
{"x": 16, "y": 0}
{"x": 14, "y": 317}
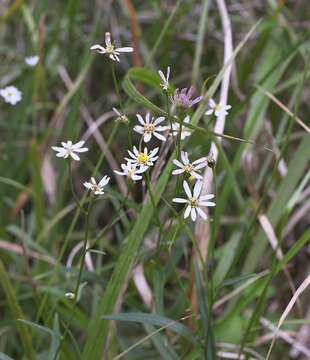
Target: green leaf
{"x": 39, "y": 327}
{"x": 234, "y": 280}
{"x": 55, "y": 339}
{"x": 157, "y": 320}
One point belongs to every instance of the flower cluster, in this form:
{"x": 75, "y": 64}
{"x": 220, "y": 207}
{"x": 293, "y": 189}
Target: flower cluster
{"x": 217, "y": 109}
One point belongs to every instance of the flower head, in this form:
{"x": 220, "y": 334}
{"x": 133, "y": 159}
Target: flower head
{"x": 121, "y": 117}
{"x": 110, "y": 49}
{"x": 188, "y": 167}
{"x": 70, "y": 149}
{"x": 183, "y": 99}
{"x": 184, "y": 131}
{"x": 217, "y": 108}
{"x": 97, "y": 189}
{"x": 165, "y": 83}
{"x": 130, "y": 170}
{"x": 195, "y": 200}
{"x": 143, "y": 159}
{"x": 11, "y": 94}
{"x": 32, "y": 60}
{"x": 150, "y": 127}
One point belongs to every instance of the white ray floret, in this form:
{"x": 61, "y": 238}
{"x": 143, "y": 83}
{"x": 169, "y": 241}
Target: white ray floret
{"x": 110, "y": 50}
{"x": 70, "y": 149}
{"x": 143, "y": 159}
{"x": 131, "y": 171}
{"x": 11, "y": 94}
{"x": 121, "y": 117}
{"x": 184, "y": 131}
{"x": 97, "y": 189}
{"x": 194, "y": 201}
{"x": 190, "y": 168}
{"x": 217, "y": 108}
{"x": 165, "y": 79}
{"x": 32, "y": 60}
{"x": 150, "y": 127}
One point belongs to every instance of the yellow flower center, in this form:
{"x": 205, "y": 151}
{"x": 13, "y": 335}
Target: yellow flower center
{"x": 191, "y": 178}
{"x": 131, "y": 172}
{"x": 149, "y": 128}
{"x": 193, "y": 202}
{"x": 218, "y": 107}
{"x": 96, "y": 188}
{"x": 189, "y": 168}
{"x": 110, "y": 49}
{"x": 10, "y": 94}
{"x": 68, "y": 151}
{"x": 143, "y": 158}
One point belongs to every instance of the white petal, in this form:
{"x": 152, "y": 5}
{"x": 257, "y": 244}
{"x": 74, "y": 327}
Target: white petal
{"x": 154, "y": 152}
{"x": 207, "y": 197}
{"x": 197, "y": 188}
{"x": 74, "y": 156}
{"x": 147, "y": 137}
{"x": 201, "y": 213}
{"x": 193, "y": 214}
{"x": 179, "y": 200}
{"x": 78, "y": 144}
{"x": 206, "y": 203}
{"x": 187, "y": 189}
{"x": 198, "y": 161}
{"x": 159, "y": 120}
{"x": 212, "y": 103}
{"x": 135, "y": 151}
{"x": 97, "y": 47}
{"x": 227, "y": 107}
{"x": 88, "y": 185}
{"x": 81, "y": 150}
{"x": 136, "y": 177}
{"x": 119, "y": 172}
{"x": 159, "y": 136}
{"x": 139, "y": 129}
{"x": 187, "y": 212}
{"x": 161, "y": 74}
{"x": 125, "y": 49}
{"x": 140, "y": 119}
{"x": 116, "y": 111}
{"x": 104, "y": 181}
{"x": 57, "y": 148}
{"x": 209, "y": 112}
{"x": 196, "y": 175}
{"x": 184, "y": 157}
{"x": 107, "y": 38}
{"x": 177, "y": 163}
{"x": 147, "y": 118}
{"x": 177, "y": 171}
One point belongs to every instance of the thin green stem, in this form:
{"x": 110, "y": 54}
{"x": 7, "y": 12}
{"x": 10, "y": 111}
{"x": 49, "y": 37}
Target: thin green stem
{"x": 72, "y": 188}
{"x": 170, "y": 120}
{"x": 116, "y": 87}
{"x": 112, "y": 221}
{"x": 148, "y": 185}
{"x": 84, "y": 250}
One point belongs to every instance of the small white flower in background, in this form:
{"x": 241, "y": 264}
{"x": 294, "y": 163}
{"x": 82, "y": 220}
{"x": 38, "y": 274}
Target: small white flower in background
{"x": 109, "y": 49}
{"x": 217, "y": 108}
{"x": 143, "y": 159}
{"x": 95, "y": 188}
{"x": 164, "y": 78}
{"x": 11, "y": 94}
{"x": 194, "y": 201}
{"x": 32, "y": 60}
{"x": 150, "y": 127}
{"x": 70, "y": 149}
{"x": 188, "y": 167}
{"x": 130, "y": 170}
{"x": 121, "y": 117}
{"x": 70, "y": 295}
{"x": 184, "y": 131}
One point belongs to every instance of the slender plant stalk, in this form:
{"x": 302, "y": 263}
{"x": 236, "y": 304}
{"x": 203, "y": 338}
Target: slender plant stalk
{"x": 72, "y": 188}
{"x": 76, "y": 292}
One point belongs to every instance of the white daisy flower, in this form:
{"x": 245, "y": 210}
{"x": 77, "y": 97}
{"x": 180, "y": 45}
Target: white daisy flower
{"x": 165, "y": 79}
{"x": 150, "y": 127}
{"x": 109, "y": 49}
{"x": 32, "y": 60}
{"x": 143, "y": 159}
{"x": 121, "y": 117}
{"x": 130, "y": 170}
{"x": 217, "y": 108}
{"x": 11, "y": 94}
{"x": 184, "y": 131}
{"x": 97, "y": 189}
{"x": 188, "y": 167}
{"x": 194, "y": 201}
{"x": 70, "y": 149}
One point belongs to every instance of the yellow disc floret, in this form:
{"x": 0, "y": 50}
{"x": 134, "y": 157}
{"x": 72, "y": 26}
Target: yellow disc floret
{"x": 218, "y": 107}
{"x": 189, "y": 168}
{"x": 149, "y": 128}
{"x": 193, "y": 202}
{"x": 143, "y": 158}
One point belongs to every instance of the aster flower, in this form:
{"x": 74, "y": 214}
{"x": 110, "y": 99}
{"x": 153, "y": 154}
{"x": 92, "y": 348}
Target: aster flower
{"x": 194, "y": 201}
{"x": 217, "y": 108}
{"x": 176, "y": 128}
{"x": 150, "y": 127}
{"x": 188, "y": 167}
{"x": 143, "y": 159}
{"x": 70, "y": 149}
{"x": 121, "y": 117}
{"x": 109, "y": 49}
{"x": 165, "y": 83}
{"x": 11, "y": 94}
{"x": 130, "y": 170}
{"x": 32, "y": 60}
{"x": 183, "y": 99}
{"x": 97, "y": 189}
